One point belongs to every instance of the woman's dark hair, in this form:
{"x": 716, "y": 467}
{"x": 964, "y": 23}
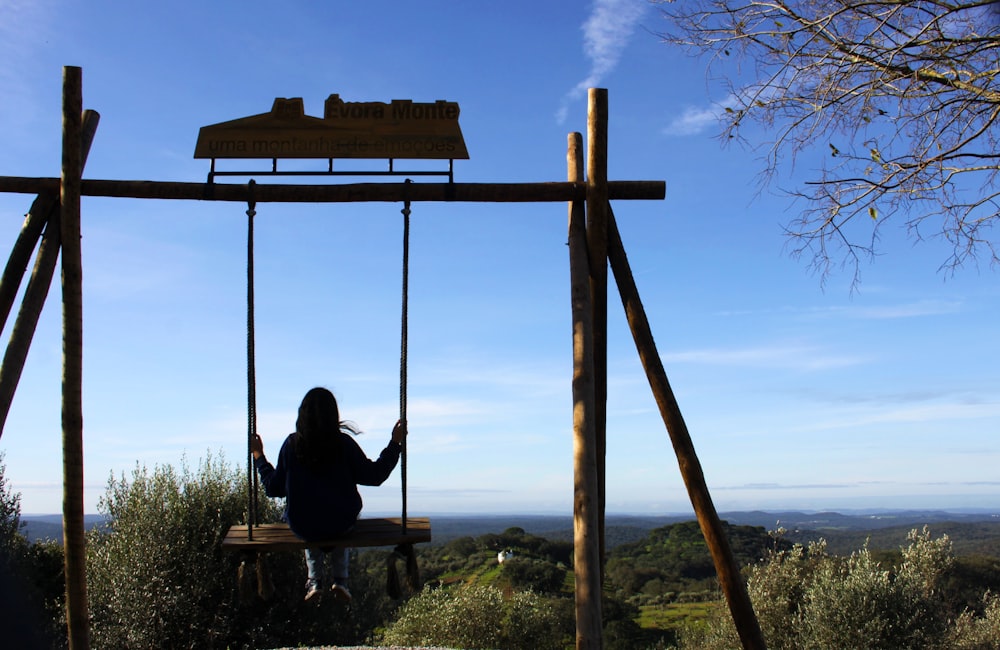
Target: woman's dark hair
{"x": 318, "y": 428}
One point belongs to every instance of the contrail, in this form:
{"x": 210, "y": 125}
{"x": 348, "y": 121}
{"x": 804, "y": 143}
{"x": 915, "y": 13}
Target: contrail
{"x": 605, "y": 35}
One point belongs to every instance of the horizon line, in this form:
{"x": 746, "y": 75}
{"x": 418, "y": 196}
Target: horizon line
{"x": 632, "y": 513}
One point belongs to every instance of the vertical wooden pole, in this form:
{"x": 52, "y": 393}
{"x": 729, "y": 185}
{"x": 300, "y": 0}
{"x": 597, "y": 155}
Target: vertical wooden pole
{"x": 726, "y": 567}
{"x": 74, "y": 543}
{"x": 45, "y": 208}
{"x": 586, "y": 546}
{"x": 597, "y": 242}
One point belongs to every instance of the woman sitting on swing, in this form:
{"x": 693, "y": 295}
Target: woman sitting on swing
{"x": 319, "y": 469}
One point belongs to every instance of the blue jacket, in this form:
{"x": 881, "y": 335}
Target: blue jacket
{"x": 320, "y": 504}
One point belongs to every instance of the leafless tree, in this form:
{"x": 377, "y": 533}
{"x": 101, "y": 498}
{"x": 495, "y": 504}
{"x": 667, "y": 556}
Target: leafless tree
{"x": 901, "y": 97}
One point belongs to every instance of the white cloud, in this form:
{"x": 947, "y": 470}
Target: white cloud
{"x": 889, "y": 312}
{"x": 692, "y": 121}
{"x": 913, "y": 309}
{"x": 929, "y": 413}
{"x": 781, "y": 486}
{"x": 921, "y": 308}
{"x": 796, "y": 357}
{"x": 605, "y": 35}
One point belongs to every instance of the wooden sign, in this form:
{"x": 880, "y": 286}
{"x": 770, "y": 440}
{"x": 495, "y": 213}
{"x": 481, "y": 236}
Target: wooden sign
{"x": 400, "y": 129}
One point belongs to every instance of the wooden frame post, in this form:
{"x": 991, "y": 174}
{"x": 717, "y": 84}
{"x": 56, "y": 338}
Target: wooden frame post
{"x": 44, "y": 213}
{"x": 597, "y": 243}
{"x": 74, "y": 542}
{"x": 586, "y": 513}
{"x": 726, "y": 567}
{"x": 17, "y": 264}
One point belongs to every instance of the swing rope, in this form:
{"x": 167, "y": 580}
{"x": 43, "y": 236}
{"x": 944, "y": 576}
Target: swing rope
{"x": 252, "y": 480}
{"x": 252, "y": 486}
{"x": 402, "y": 347}
{"x": 404, "y": 551}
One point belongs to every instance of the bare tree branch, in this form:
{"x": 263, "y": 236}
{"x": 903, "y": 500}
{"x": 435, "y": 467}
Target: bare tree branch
{"x": 901, "y": 96}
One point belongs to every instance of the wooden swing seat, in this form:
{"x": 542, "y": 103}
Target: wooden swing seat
{"x": 387, "y": 531}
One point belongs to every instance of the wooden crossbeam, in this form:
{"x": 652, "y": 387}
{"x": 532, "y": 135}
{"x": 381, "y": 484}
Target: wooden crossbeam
{"x": 351, "y": 192}
{"x": 386, "y": 531}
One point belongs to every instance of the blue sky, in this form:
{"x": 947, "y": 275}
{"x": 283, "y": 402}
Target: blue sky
{"x": 797, "y": 395}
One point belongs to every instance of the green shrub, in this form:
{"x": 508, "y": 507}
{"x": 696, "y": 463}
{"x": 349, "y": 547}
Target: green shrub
{"x": 538, "y": 575}
{"x": 806, "y": 598}
{"x": 972, "y": 632}
{"x": 157, "y": 576}
{"x": 476, "y": 616}
{"x": 856, "y": 604}
{"x": 12, "y": 542}
{"x": 44, "y": 568}
{"x": 31, "y": 584}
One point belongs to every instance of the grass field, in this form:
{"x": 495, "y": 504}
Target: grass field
{"x": 673, "y": 616}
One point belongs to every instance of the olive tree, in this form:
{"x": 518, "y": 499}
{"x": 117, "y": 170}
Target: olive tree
{"x": 899, "y": 100}
{"x": 807, "y": 598}
{"x": 156, "y": 574}
{"x": 477, "y": 616}
{"x": 158, "y": 577}
{"x": 30, "y": 578}
{"x": 11, "y": 540}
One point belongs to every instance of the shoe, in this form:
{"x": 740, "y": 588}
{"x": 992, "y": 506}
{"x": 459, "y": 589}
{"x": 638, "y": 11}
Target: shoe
{"x": 314, "y": 593}
{"x": 341, "y": 593}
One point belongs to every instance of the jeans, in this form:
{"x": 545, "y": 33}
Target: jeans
{"x": 324, "y": 568}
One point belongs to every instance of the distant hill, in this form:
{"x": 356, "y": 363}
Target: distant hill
{"x": 40, "y": 527}
{"x": 824, "y": 521}
{"x": 971, "y": 532}
{"x": 967, "y": 538}
{"x": 554, "y": 527}
{"x": 801, "y": 526}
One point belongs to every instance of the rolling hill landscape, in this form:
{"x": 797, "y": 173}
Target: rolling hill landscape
{"x": 973, "y": 531}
